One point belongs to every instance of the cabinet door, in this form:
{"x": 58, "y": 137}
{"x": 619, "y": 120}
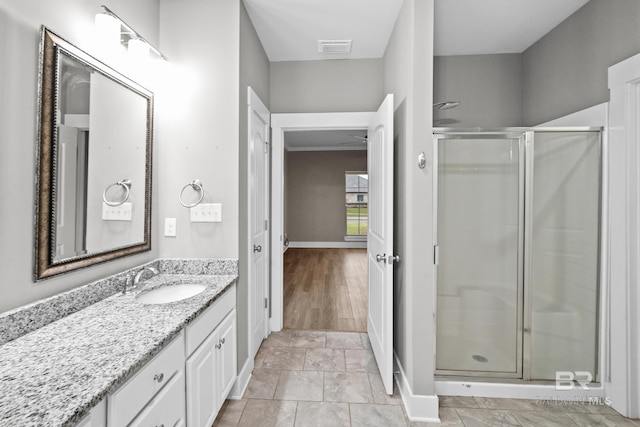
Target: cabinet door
{"x": 201, "y": 386}
{"x": 227, "y": 358}
{"x": 97, "y": 417}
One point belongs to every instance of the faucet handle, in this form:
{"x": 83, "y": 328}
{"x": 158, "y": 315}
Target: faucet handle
{"x": 127, "y": 284}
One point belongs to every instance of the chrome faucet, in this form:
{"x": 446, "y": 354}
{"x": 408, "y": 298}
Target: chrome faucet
{"x": 137, "y": 278}
{"x": 132, "y": 281}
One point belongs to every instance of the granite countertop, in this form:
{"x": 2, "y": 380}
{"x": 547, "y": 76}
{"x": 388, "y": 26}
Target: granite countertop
{"x": 54, "y": 375}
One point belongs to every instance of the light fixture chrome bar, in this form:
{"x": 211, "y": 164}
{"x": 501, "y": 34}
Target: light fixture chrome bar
{"x": 134, "y": 33}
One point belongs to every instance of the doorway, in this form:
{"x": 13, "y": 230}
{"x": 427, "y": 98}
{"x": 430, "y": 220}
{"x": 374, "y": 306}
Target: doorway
{"x": 380, "y": 256}
{"x": 281, "y": 125}
{"x": 325, "y": 230}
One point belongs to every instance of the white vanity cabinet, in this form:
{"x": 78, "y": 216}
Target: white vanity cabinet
{"x": 211, "y": 367}
{"x": 186, "y": 383}
{"x": 156, "y": 391}
{"x": 97, "y": 417}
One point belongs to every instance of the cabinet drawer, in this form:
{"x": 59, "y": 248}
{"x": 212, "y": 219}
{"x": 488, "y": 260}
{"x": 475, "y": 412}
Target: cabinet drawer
{"x": 167, "y": 408}
{"x": 205, "y": 323}
{"x": 129, "y": 399}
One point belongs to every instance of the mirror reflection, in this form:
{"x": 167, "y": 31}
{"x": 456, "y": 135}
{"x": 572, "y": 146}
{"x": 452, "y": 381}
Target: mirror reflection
{"x": 95, "y": 145}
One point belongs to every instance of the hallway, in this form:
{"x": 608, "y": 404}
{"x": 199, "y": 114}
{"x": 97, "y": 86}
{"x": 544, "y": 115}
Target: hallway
{"x": 325, "y": 289}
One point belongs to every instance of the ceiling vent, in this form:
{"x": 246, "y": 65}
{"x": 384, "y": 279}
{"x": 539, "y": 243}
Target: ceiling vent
{"x": 334, "y": 46}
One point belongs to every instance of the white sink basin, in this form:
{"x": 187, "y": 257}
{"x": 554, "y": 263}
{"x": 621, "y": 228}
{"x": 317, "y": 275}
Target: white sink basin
{"x": 171, "y": 293}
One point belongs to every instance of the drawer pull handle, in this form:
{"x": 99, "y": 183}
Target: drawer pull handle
{"x": 159, "y": 378}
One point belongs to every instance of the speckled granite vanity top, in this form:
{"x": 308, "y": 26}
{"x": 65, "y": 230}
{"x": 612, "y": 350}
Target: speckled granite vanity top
{"x": 56, "y": 374}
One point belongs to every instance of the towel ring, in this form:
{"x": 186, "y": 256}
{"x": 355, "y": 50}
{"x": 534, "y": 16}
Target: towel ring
{"x": 196, "y": 185}
{"x": 126, "y": 184}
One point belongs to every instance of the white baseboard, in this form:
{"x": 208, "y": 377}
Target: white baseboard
{"x": 242, "y": 381}
{"x": 515, "y": 391}
{"x": 330, "y": 245}
{"x": 422, "y": 408}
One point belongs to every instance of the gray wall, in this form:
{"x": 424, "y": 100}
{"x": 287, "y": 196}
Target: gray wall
{"x": 326, "y": 86}
{"x": 19, "y": 32}
{"x": 566, "y": 70}
{"x": 254, "y": 72}
{"x": 198, "y": 124}
{"x": 408, "y": 73}
{"x": 489, "y": 87}
{"x": 315, "y": 188}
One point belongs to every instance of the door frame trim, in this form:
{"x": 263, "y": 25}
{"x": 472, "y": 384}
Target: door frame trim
{"x": 281, "y": 123}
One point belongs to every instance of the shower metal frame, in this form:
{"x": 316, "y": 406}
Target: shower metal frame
{"x": 525, "y": 138}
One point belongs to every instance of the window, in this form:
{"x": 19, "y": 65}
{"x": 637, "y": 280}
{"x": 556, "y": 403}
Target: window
{"x": 356, "y": 199}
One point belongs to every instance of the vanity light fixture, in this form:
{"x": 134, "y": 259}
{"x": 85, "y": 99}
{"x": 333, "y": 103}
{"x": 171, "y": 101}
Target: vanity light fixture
{"x": 128, "y": 36}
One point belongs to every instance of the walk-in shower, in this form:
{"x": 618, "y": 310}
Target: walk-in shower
{"x": 517, "y": 251}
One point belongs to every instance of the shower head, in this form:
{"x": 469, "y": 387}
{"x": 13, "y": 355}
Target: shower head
{"x": 446, "y": 105}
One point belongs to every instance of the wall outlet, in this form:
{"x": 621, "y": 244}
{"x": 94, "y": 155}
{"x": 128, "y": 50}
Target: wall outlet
{"x": 206, "y": 212}
{"x": 124, "y": 212}
{"x": 170, "y": 227}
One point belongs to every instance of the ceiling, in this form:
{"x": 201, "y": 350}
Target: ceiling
{"x": 290, "y": 29}
{"x": 325, "y": 140}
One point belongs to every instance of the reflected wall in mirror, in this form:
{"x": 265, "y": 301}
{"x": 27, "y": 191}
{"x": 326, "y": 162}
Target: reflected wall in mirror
{"x": 94, "y": 161}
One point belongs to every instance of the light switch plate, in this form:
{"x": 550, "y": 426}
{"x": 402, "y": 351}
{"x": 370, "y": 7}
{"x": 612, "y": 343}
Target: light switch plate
{"x": 206, "y": 212}
{"x": 170, "y": 227}
{"x": 124, "y": 212}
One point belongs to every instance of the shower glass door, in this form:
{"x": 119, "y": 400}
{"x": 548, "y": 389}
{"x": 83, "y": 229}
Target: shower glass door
{"x": 518, "y": 252}
{"x": 563, "y": 254}
{"x": 480, "y": 205}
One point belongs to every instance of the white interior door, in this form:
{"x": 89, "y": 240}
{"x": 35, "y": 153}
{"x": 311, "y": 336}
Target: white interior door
{"x": 380, "y": 257}
{"x": 258, "y": 139}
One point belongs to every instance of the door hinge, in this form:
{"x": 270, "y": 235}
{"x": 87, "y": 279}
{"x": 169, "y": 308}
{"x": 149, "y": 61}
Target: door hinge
{"x": 436, "y": 255}
{"x": 266, "y": 224}
{"x": 266, "y": 303}
{"x": 266, "y": 146}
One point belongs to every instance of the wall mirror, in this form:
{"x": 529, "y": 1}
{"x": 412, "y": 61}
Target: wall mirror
{"x": 93, "y": 195}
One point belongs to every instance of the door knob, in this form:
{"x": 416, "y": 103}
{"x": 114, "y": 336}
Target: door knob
{"x": 257, "y": 248}
{"x": 393, "y": 258}
{"x": 380, "y": 258}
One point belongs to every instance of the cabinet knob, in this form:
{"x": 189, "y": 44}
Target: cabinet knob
{"x": 159, "y": 378}
{"x": 218, "y": 346}
{"x": 222, "y": 341}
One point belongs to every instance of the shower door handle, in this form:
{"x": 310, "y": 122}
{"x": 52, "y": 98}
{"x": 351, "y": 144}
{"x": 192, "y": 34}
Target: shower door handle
{"x": 381, "y": 258}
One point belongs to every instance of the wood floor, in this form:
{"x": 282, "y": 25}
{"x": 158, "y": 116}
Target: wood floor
{"x": 325, "y": 289}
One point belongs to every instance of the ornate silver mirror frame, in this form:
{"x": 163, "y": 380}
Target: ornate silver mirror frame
{"x": 54, "y": 53}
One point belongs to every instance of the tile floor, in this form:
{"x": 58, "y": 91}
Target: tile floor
{"x": 317, "y": 378}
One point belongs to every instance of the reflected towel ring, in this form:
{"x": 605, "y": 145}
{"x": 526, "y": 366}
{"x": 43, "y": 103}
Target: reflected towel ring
{"x": 196, "y": 185}
{"x": 126, "y": 184}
